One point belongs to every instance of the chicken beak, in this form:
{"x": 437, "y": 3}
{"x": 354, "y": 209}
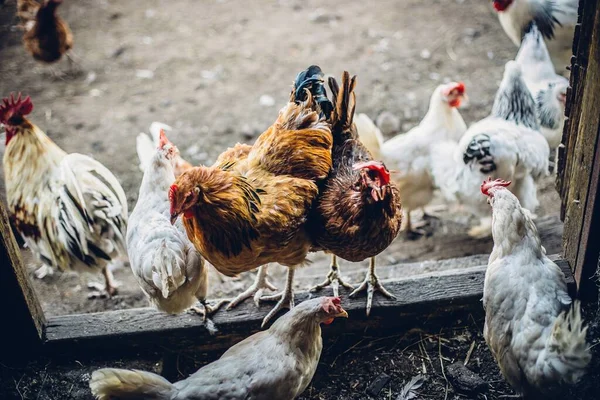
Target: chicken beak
{"x": 377, "y": 193}
{"x": 174, "y": 218}
{"x": 342, "y": 314}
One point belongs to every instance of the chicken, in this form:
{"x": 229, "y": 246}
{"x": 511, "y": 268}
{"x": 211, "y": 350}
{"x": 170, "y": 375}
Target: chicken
{"x": 507, "y": 144}
{"x": 410, "y": 153}
{"x": 146, "y": 149}
{"x": 537, "y": 340}
{"x": 47, "y": 35}
{"x": 278, "y": 363}
{"x": 261, "y": 211}
{"x": 547, "y": 88}
{"x": 165, "y": 263}
{"x": 358, "y": 212}
{"x": 69, "y": 208}
{"x": 556, "y": 20}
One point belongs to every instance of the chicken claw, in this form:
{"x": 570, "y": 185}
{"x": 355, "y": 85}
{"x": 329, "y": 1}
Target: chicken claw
{"x": 372, "y": 284}
{"x": 109, "y": 289}
{"x": 207, "y": 310}
{"x": 333, "y": 278}
{"x": 286, "y": 298}
{"x": 256, "y": 290}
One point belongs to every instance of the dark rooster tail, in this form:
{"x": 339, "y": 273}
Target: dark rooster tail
{"x": 312, "y": 79}
{"x": 344, "y": 100}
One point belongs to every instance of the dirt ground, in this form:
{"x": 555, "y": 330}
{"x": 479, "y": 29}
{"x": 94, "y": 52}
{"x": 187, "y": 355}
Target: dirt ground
{"x": 203, "y": 67}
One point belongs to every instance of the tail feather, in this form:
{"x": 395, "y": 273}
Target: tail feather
{"x": 344, "y": 100}
{"x": 145, "y": 150}
{"x": 168, "y": 274}
{"x": 568, "y": 352}
{"x": 369, "y": 134}
{"x": 108, "y": 383}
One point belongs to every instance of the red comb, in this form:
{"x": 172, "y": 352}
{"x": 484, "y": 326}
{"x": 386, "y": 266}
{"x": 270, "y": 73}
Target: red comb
{"x": 460, "y": 87}
{"x": 490, "y": 184}
{"x": 378, "y": 166}
{"x": 162, "y": 139}
{"x": 331, "y": 304}
{"x": 172, "y": 190}
{"x": 11, "y": 106}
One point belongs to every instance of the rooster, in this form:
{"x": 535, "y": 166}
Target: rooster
{"x": 47, "y": 36}
{"x": 556, "y": 20}
{"x": 242, "y": 220}
{"x": 358, "y": 212}
{"x": 146, "y": 148}
{"x": 547, "y": 88}
{"x": 507, "y": 144}
{"x": 69, "y": 208}
{"x": 410, "y": 153}
{"x": 278, "y": 363}
{"x": 168, "y": 268}
{"x": 537, "y": 338}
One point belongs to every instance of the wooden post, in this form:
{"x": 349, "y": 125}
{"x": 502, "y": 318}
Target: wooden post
{"x": 24, "y": 319}
{"x": 580, "y": 157}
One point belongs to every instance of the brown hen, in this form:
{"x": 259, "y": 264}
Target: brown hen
{"x": 358, "y": 213}
{"x": 240, "y": 217}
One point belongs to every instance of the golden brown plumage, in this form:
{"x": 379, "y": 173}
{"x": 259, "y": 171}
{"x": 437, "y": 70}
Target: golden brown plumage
{"x": 358, "y": 213}
{"x": 241, "y": 216}
{"x": 47, "y": 35}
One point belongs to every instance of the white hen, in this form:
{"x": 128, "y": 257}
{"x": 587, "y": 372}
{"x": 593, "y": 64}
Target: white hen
{"x": 547, "y": 88}
{"x": 556, "y": 20}
{"x": 410, "y": 153}
{"x": 506, "y": 145}
{"x": 537, "y": 341}
{"x": 170, "y": 271}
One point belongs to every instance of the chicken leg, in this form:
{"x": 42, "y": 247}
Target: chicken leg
{"x": 333, "y": 278}
{"x": 286, "y": 298}
{"x": 256, "y": 289}
{"x": 110, "y": 286}
{"x": 414, "y": 232}
{"x": 371, "y": 284}
{"x": 207, "y": 309}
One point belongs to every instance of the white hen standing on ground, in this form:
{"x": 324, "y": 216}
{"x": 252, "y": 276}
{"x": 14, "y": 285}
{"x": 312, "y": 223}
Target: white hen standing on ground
{"x": 506, "y": 145}
{"x": 548, "y": 89}
{"x": 556, "y": 20}
{"x": 169, "y": 269}
{"x": 410, "y": 153}
{"x": 537, "y": 340}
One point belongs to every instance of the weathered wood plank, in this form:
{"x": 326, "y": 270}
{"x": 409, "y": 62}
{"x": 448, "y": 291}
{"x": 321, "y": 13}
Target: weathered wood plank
{"x": 426, "y": 297}
{"x": 25, "y": 319}
{"x": 581, "y": 177}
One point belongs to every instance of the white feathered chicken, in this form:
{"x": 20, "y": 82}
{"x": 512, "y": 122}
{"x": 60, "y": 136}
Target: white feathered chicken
{"x": 146, "y": 148}
{"x": 548, "y": 89}
{"x": 170, "y": 271}
{"x": 556, "y": 20}
{"x": 506, "y": 145}
{"x": 410, "y": 153}
{"x": 70, "y": 209}
{"x": 537, "y": 340}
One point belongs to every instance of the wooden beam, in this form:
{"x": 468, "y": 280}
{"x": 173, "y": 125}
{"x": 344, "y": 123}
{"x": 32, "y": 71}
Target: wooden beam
{"x": 580, "y": 180}
{"x": 24, "y": 321}
{"x": 427, "y": 297}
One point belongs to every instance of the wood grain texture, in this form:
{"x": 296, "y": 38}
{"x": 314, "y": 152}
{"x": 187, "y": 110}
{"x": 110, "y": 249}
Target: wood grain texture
{"x": 25, "y": 319}
{"x": 424, "y": 298}
{"x": 579, "y": 180}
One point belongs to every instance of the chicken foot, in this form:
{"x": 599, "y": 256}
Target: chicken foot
{"x": 286, "y": 298}
{"x": 412, "y": 231}
{"x": 256, "y": 290}
{"x": 44, "y": 271}
{"x": 372, "y": 284}
{"x": 207, "y": 310}
{"x": 110, "y": 287}
{"x": 333, "y": 278}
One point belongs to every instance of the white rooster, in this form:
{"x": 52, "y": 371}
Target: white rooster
{"x": 556, "y": 20}
{"x": 538, "y": 342}
{"x": 410, "y": 153}
{"x": 169, "y": 269}
{"x": 69, "y": 208}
